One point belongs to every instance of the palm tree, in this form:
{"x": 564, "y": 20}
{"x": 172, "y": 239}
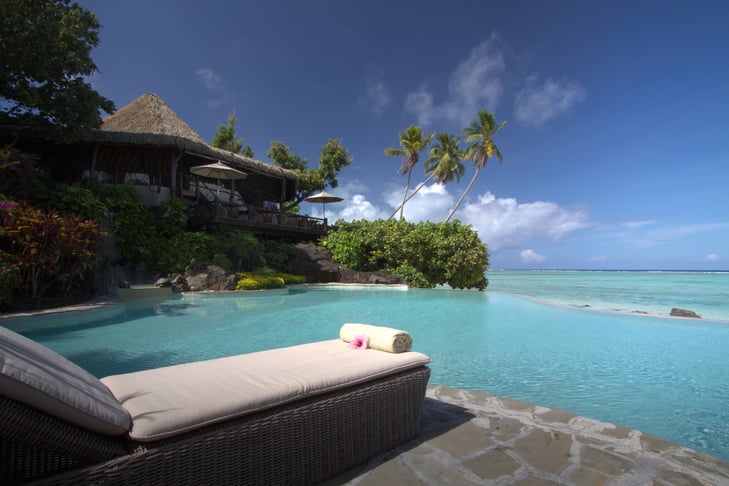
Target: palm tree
{"x": 444, "y": 164}
{"x": 412, "y": 143}
{"x": 481, "y": 132}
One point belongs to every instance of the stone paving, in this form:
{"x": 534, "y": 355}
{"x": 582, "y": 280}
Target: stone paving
{"x": 469, "y": 438}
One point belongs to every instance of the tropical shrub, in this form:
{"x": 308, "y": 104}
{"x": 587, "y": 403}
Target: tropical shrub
{"x": 253, "y": 281}
{"x": 77, "y": 201}
{"x": 266, "y": 278}
{"x": 43, "y": 254}
{"x": 20, "y": 178}
{"x": 426, "y": 254}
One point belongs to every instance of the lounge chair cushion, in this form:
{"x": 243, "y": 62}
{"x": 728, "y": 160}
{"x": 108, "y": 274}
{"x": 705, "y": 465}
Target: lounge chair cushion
{"x": 167, "y": 401}
{"x": 41, "y": 378}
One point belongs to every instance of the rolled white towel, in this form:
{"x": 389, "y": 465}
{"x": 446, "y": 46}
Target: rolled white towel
{"x": 381, "y": 338}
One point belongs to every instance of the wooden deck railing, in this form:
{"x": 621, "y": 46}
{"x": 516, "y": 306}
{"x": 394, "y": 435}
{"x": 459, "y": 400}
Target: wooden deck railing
{"x": 270, "y": 222}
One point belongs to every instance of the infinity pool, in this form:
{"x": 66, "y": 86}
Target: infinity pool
{"x": 668, "y": 377}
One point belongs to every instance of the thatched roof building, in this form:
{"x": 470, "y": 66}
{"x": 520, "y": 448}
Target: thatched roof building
{"x": 146, "y": 136}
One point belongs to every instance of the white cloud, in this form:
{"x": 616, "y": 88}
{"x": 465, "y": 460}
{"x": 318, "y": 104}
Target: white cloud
{"x": 358, "y": 207}
{"x": 506, "y": 223}
{"x": 536, "y": 104}
{"x": 638, "y": 224}
{"x": 420, "y": 103}
{"x": 214, "y": 85}
{"x": 377, "y": 97}
{"x": 712, "y": 257}
{"x": 531, "y": 256}
{"x": 209, "y": 79}
{"x": 473, "y": 85}
{"x": 668, "y": 234}
{"x": 502, "y": 223}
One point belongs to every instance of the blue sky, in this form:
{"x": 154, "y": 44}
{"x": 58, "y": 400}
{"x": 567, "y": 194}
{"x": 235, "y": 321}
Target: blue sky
{"x": 616, "y": 148}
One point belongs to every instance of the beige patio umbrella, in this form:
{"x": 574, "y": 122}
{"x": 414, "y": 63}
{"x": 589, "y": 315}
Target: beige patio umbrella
{"x": 324, "y": 197}
{"x": 218, "y": 171}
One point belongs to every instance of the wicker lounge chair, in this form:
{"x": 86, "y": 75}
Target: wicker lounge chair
{"x": 296, "y": 415}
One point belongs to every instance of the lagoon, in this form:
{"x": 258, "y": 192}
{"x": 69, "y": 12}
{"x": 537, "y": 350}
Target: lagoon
{"x": 664, "y": 376}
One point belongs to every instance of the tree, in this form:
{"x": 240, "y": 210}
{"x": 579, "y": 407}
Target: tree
{"x": 225, "y": 139}
{"x": 426, "y": 253}
{"x": 481, "y": 132}
{"x": 333, "y": 159}
{"x": 445, "y": 159}
{"x": 45, "y": 50}
{"x": 412, "y": 143}
{"x": 444, "y": 164}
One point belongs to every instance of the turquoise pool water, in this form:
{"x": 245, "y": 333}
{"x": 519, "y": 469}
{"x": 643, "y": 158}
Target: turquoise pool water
{"x": 668, "y": 377}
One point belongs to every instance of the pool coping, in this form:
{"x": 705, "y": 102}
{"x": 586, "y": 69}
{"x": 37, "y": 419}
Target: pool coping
{"x": 477, "y": 438}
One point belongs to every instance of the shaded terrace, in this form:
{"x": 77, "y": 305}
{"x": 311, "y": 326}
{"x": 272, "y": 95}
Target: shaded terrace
{"x": 149, "y": 146}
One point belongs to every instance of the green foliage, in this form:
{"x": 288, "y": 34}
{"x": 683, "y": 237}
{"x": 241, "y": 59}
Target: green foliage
{"x": 412, "y": 143}
{"x": 291, "y": 279}
{"x": 426, "y": 254}
{"x": 444, "y": 161}
{"x": 79, "y": 201}
{"x": 45, "y": 58}
{"x": 242, "y": 250}
{"x": 333, "y": 159}
{"x": 266, "y": 278}
{"x": 277, "y": 253}
{"x": 225, "y": 139}
{"x": 253, "y": 281}
{"x": 43, "y": 253}
{"x": 174, "y": 253}
{"x": 173, "y": 220}
{"x": 20, "y": 176}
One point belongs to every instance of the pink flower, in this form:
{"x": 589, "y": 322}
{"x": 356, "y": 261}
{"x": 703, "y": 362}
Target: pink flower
{"x": 361, "y": 341}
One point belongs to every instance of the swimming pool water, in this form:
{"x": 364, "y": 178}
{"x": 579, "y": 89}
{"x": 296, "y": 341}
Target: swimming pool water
{"x": 668, "y": 377}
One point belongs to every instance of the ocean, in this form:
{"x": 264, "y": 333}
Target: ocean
{"x": 649, "y": 292}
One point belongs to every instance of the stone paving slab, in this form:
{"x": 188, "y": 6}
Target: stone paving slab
{"x": 470, "y": 438}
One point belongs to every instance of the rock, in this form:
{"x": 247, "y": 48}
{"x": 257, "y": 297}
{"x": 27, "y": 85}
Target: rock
{"x": 204, "y": 276}
{"x": 179, "y": 284}
{"x": 676, "y": 312}
{"x": 315, "y": 263}
{"x": 123, "y": 284}
{"x": 348, "y": 275}
{"x": 163, "y": 282}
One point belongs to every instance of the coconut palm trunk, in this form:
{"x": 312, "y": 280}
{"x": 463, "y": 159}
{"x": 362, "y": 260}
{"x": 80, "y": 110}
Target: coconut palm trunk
{"x": 405, "y": 196}
{"x": 465, "y": 193}
{"x": 480, "y": 132}
{"x": 412, "y": 142}
{"x": 408, "y": 198}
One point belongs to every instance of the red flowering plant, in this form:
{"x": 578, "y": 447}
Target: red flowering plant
{"x": 43, "y": 254}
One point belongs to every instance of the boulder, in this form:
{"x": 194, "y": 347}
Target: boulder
{"x": 676, "y": 312}
{"x": 205, "y": 276}
{"x": 348, "y": 275}
{"x": 315, "y": 263}
{"x": 318, "y": 266}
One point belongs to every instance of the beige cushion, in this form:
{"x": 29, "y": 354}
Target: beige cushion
{"x": 175, "y": 399}
{"x": 36, "y": 376}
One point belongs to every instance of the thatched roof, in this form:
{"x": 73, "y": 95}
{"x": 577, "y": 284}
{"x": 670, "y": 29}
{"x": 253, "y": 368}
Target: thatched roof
{"x": 149, "y": 121}
{"x": 149, "y": 115}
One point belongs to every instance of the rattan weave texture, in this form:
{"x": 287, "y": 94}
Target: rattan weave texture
{"x": 304, "y": 442}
